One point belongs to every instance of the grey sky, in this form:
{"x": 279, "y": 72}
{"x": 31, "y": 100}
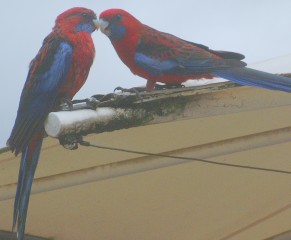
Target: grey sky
{"x": 260, "y": 29}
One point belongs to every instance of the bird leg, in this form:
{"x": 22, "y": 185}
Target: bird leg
{"x": 136, "y": 90}
{"x": 92, "y": 103}
{"x": 70, "y": 141}
{"x": 65, "y": 104}
{"x": 168, "y": 86}
{"x": 145, "y": 89}
{"x": 88, "y": 103}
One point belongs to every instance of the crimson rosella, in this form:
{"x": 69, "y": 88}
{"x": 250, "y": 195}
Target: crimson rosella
{"x": 56, "y": 74}
{"x": 162, "y": 57}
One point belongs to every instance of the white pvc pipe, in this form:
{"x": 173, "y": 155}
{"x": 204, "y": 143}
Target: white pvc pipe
{"x": 58, "y": 122}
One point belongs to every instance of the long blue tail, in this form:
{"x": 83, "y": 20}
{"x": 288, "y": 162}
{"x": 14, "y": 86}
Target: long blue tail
{"x": 28, "y": 164}
{"x": 251, "y": 77}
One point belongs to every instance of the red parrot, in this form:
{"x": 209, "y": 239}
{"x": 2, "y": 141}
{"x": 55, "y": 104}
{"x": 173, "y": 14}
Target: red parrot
{"x": 56, "y": 74}
{"x": 162, "y": 57}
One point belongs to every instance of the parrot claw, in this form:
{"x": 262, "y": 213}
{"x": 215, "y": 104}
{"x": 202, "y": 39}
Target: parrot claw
{"x": 71, "y": 141}
{"x": 129, "y": 90}
{"x": 66, "y": 104}
{"x": 92, "y": 103}
{"x": 119, "y": 89}
{"x": 168, "y": 86}
{"x": 88, "y": 103}
{"x": 136, "y": 90}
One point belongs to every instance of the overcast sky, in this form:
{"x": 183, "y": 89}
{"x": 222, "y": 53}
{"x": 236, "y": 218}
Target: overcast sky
{"x": 260, "y": 29}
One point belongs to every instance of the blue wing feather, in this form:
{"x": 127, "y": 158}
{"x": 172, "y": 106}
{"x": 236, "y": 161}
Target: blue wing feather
{"x": 25, "y": 179}
{"x": 252, "y": 77}
{"x": 154, "y": 66}
{"x": 183, "y": 65}
{"x": 161, "y": 53}
{"x": 46, "y": 75}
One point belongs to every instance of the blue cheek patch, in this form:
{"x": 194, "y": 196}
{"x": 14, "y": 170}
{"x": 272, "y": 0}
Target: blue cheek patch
{"x": 117, "y": 32}
{"x": 85, "y": 27}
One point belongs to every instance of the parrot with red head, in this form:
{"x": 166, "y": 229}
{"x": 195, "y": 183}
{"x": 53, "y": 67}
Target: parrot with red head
{"x": 162, "y": 57}
{"x": 57, "y": 72}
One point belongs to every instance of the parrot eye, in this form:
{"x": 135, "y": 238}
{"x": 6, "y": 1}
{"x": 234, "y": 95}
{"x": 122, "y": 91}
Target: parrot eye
{"x": 118, "y": 17}
{"x": 86, "y": 16}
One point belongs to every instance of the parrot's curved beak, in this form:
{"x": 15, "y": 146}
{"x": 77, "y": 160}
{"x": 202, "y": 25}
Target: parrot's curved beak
{"x": 96, "y": 23}
{"x": 103, "y": 24}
